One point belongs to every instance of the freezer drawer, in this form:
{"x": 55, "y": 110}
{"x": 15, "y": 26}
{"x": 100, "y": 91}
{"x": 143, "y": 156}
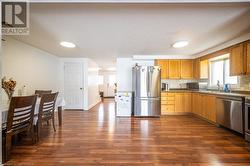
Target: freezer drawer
{"x": 229, "y": 113}
{"x": 147, "y": 107}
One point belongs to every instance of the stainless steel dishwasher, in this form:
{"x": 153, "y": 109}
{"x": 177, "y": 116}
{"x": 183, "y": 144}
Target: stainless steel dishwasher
{"x": 230, "y": 112}
{"x": 247, "y": 119}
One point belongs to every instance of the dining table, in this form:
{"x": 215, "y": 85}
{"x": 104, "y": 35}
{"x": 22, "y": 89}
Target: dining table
{"x": 60, "y": 103}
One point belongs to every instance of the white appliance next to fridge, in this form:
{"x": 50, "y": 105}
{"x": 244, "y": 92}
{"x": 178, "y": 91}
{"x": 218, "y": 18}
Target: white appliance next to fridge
{"x": 124, "y": 104}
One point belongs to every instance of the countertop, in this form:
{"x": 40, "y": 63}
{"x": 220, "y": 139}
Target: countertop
{"x": 212, "y": 92}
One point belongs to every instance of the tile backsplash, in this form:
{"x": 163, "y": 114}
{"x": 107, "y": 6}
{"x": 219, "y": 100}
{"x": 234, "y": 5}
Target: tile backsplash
{"x": 244, "y": 83}
{"x": 174, "y": 84}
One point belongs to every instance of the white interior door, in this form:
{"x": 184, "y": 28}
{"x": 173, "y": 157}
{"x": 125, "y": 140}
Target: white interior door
{"x": 73, "y": 85}
{"x": 109, "y": 86}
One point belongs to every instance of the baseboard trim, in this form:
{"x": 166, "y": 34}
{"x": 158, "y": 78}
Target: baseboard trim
{"x": 93, "y": 105}
{"x": 190, "y": 113}
{"x": 73, "y": 110}
{"x": 176, "y": 113}
{"x": 200, "y": 117}
{"x": 111, "y": 97}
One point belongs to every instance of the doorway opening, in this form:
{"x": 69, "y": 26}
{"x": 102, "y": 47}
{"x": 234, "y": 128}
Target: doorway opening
{"x": 107, "y": 83}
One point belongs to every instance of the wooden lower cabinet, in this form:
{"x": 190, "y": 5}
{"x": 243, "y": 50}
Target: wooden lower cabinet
{"x": 204, "y": 105}
{"x": 210, "y": 108}
{"x": 179, "y": 99}
{"x": 196, "y": 103}
{"x": 175, "y": 102}
{"x": 187, "y": 102}
{"x": 201, "y": 104}
{"x": 167, "y": 103}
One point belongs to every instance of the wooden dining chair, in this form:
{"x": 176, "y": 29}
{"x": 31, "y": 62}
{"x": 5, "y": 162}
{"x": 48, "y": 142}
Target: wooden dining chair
{"x": 46, "y": 112}
{"x": 19, "y": 120}
{"x": 41, "y": 92}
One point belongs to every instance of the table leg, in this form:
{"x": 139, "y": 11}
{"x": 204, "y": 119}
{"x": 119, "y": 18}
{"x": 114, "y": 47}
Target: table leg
{"x": 60, "y": 115}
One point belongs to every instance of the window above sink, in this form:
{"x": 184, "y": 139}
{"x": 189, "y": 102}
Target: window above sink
{"x": 219, "y": 69}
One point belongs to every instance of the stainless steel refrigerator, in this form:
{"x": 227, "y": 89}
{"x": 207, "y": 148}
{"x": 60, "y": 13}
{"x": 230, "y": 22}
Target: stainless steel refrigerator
{"x": 147, "y": 90}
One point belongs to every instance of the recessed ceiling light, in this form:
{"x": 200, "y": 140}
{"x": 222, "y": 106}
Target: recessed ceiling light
{"x": 180, "y": 44}
{"x": 67, "y": 44}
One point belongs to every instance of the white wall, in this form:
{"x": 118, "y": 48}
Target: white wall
{"x": 124, "y": 72}
{"x": 93, "y": 88}
{"x": 29, "y": 66}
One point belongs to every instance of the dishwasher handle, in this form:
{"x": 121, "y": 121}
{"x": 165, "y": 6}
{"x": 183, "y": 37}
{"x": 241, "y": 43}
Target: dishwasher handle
{"x": 231, "y": 99}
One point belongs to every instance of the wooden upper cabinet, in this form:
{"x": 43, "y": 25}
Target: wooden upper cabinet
{"x": 187, "y": 69}
{"x": 204, "y": 69}
{"x": 248, "y": 58}
{"x": 174, "y": 69}
{"x": 237, "y": 63}
{"x": 164, "y": 68}
{"x": 196, "y": 69}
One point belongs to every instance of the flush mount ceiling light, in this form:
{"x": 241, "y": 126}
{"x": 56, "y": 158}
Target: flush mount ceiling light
{"x": 67, "y": 44}
{"x": 180, "y": 44}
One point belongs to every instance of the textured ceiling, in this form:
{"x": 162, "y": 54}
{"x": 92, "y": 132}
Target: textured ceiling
{"x": 106, "y": 31}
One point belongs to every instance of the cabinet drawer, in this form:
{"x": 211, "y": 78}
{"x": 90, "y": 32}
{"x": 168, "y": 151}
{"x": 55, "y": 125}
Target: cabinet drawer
{"x": 168, "y": 102}
{"x": 167, "y": 108}
{"x": 167, "y": 94}
{"x": 168, "y": 98}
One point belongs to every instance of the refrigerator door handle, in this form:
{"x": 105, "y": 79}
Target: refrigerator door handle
{"x": 149, "y": 81}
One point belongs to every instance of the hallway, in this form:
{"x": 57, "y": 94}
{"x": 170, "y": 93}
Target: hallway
{"x": 97, "y": 137}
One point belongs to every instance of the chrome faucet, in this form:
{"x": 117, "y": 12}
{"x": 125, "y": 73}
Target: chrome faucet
{"x": 218, "y": 85}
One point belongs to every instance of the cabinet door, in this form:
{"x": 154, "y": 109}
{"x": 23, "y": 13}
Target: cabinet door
{"x": 187, "y": 69}
{"x": 193, "y": 110}
{"x": 164, "y": 68}
{"x": 208, "y": 107}
{"x": 211, "y": 108}
{"x": 179, "y": 102}
{"x": 248, "y": 57}
{"x": 204, "y": 69}
{"x": 196, "y": 103}
{"x": 237, "y": 60}
{"x": 174, "y": 69}
{"x": 187, "y": 102}
{"x": 196, "y": 69}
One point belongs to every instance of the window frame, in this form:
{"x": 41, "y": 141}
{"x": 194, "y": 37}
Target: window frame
{"x": 224, "y": 59}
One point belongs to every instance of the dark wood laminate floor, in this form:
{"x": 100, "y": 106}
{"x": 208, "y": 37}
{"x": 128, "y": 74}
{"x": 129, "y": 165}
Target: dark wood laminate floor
{"x": 96, "y": 137}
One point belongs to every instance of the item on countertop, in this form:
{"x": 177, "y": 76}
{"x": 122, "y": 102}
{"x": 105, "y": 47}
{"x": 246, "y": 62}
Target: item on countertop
{"x": 226, "y": 88}
{"x": 9, "y": 86}
{"x": 164, "y": 87}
